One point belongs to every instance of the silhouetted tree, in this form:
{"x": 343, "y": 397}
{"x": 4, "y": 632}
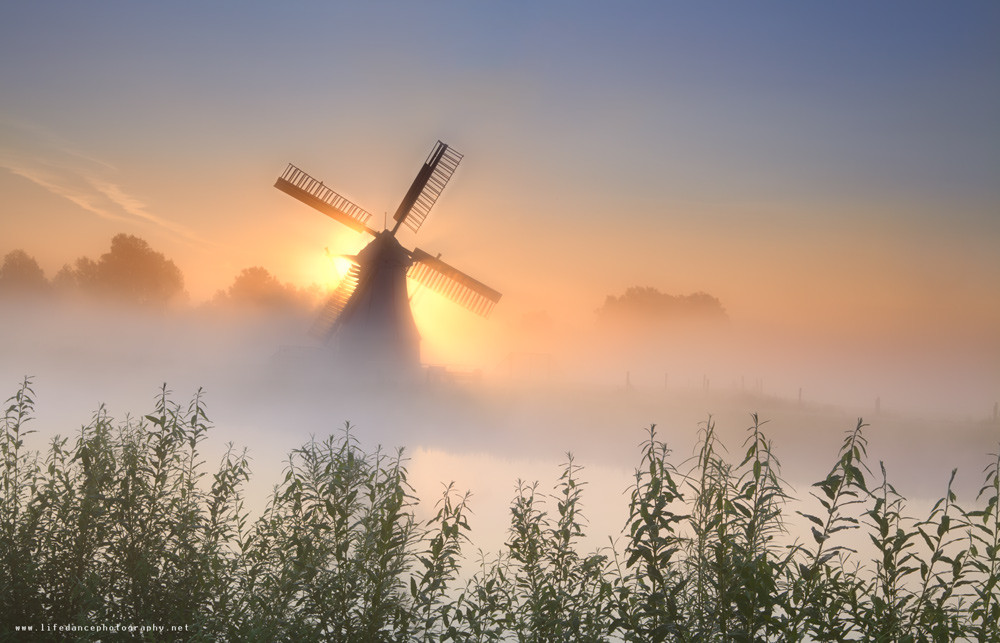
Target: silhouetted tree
{"x": 20, "y": 273}
{"x": 66, "y": 279}
{"x": 130, "y": 272}
{"x": 81, "y": 276}
{"x": 137, "y": 273}
{"x": 648, "y": 306}
{"x": 257, "y": 288}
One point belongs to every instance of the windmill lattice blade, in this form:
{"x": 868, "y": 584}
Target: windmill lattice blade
{"x": 314, "y": 193}
{"x": 453, "y": 283}
{"x": 427, "y": 187}
{"x": 326, "y": 323}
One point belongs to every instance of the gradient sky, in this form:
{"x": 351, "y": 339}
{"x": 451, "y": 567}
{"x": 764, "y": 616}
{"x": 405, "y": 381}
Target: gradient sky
{"x": 829, "y": 170}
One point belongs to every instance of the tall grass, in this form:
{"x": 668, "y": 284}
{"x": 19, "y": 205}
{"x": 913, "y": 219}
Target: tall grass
{"x": 124, "y": 522}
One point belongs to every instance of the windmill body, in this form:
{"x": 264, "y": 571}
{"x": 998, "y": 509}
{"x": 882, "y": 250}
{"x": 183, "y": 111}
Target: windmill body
{"x": 367, "y": 319}
{"x": 376, "y": 329}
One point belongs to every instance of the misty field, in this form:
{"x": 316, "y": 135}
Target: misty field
{"x": 124, "y": 523}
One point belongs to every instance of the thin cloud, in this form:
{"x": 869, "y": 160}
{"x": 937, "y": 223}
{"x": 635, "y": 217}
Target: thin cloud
{"x": 137, "y": 209}
{"x": 51, "y": 163}
{"x": 85, "y": 199}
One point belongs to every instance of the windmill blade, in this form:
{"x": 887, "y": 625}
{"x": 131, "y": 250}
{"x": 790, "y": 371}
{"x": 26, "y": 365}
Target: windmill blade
{"x": 427, "y": 187}
{"x": 326, "y": 323}
{"x": 314, "y": 193}
{"x": 451, "y": 282}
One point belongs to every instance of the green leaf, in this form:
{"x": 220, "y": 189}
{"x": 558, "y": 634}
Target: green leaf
{"x": 811, "y": 518}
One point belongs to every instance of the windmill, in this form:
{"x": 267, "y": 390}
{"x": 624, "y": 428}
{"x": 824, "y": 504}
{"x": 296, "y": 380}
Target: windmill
{"x": 367, "y": 317}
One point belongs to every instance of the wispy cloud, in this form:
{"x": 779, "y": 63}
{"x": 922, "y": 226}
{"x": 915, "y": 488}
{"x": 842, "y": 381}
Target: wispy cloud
{"x": 58, "y": 184}
{"x": 88, "y": 182}
{"x": 135, "y": 208}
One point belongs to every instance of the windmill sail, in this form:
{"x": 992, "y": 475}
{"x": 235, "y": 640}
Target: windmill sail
{"x": 454, "y": 284}
{"x": 314, "y": 193}
{"x": 427, "y": 187}
{"x": 325, "y": 324}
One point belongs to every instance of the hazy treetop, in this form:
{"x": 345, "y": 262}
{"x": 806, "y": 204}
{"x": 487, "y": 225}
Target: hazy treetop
{"x": 256, "y": 288}
{"x": 135, "y": 273}
{"x": 649, "y": 306}
{"x": 130, "y": 272}
{"x": 21, "y": 273}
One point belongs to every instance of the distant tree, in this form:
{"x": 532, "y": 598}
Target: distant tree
{"x": 647, "y": 306}
{"x": 137, "y": 273}
{"x": 20, "y": 273}
{"x": 131, "y": 272}
{"x": 66, "y": 279}
{"x": 81, "y": 276}
{"x": 258, "y": 289}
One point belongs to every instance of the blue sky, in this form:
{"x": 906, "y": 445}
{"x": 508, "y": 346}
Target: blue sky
{"x": 901, "y": 96}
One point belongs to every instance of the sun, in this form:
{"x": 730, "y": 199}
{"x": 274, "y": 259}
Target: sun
{"x": 341, "y": 266}
{"x": 325, "y": 269}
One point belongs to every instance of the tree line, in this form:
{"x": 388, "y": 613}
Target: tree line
{"x": 131, "y": 272}
{"x": 644, "y": 306}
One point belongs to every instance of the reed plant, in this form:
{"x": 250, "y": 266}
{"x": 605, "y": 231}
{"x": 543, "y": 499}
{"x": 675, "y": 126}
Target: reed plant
{"x": 124, "y": 522}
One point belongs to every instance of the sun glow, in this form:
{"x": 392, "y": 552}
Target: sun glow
{"x": 449, "y": 334}
{"x": 341, "y": 266}
{"x": 323, "y": 269}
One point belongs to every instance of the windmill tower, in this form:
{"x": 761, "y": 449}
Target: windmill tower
{"x": 368, "y": 318}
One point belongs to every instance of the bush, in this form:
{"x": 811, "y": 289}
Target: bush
{"x": 122, "y": 525}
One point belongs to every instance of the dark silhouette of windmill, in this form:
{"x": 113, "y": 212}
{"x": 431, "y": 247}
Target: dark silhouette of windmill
{"x": 368, "y": 316}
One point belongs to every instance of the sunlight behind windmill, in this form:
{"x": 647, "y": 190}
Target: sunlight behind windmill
{"x": 368, "y": 316}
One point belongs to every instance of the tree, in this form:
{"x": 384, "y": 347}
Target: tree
{"x": 648, "y": 307}
{"x": 131, "y": 272}
{"x": 20, "y": 273}
{"x": 646, "y": 332}
{"x": 82, "y": 275}
{"x": 138, "y": 274}
{"x": 66, "y": 279}
{"x": 257, "y": 288}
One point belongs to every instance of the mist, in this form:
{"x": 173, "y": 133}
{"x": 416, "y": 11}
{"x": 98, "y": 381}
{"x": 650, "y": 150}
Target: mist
{"x": 590, "y": 391}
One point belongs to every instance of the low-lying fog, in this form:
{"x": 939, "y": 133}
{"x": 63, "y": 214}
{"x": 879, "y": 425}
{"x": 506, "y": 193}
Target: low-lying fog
{"x": 519, "y": 416}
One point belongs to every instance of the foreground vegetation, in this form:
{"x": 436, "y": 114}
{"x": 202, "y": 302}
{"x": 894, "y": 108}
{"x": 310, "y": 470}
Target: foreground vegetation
{"x": 121, "y": 524}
